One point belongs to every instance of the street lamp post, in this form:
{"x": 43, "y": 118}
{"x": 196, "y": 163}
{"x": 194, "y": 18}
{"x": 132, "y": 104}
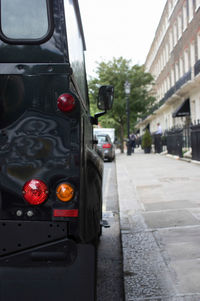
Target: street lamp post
{"x": 127, "y": 89}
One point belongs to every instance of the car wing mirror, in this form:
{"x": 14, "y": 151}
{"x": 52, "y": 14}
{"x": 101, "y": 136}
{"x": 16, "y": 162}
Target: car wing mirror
{"x": 104, "y": 102}
{"x": 105, "y": 98}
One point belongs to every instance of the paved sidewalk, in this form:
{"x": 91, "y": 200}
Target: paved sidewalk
{"x": 159, "y": 199}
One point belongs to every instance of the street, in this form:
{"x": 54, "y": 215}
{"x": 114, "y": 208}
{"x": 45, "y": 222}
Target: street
{"x": 153, "y": 201}
{"x": 110, "y": 277}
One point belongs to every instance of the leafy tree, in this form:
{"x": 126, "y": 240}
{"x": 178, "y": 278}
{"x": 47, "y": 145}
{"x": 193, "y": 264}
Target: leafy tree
{"x": 116, "y": 73}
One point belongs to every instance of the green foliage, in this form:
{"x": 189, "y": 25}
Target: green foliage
{"x": 146, "y": 140}
{"x": 116, "y": 73}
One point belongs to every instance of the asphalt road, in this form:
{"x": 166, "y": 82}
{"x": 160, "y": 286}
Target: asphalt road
{"x": 110, "y": 276}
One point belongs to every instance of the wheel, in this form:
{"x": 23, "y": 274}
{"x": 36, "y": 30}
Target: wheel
{"x": 110, "y": 159}
{"x": 94, "y": 206}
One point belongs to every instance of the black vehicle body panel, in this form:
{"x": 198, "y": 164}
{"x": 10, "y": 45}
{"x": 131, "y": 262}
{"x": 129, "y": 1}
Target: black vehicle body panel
{"x": 53, "y": 281}
{"x": 38, "y": 141}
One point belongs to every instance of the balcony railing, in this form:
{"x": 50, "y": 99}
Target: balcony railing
{"x": 183, "y": 80}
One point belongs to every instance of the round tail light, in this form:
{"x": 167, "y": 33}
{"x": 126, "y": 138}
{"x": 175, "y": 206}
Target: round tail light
{"x": 66, "y": 102}
{"x": 65, "y": 192}
{"x": 35, "y": 192}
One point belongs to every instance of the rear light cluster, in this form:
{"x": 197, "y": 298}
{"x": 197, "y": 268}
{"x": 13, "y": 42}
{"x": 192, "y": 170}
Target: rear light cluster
{"x": 66, "y": 102}
{"x": 107, "y": 145}
{"x": 35, "y": 192}
{"x": 65, "y": 192}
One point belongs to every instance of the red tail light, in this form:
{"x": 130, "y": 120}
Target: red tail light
{"x": 107, "y": 145}
{"x": 66, "y": 102}
{"x": 35, "y": 192}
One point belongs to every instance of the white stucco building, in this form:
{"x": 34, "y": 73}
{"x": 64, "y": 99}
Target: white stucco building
{"x": 174, "y": 61}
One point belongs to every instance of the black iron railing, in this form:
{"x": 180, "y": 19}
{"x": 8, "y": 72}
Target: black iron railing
{"x": 195, "y": 141}
{"x": 174, "y": 140}
{"x": 184, "y": 79}
{"x": 178, "y": 139}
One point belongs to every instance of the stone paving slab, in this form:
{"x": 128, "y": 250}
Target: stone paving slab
{"x": 159, "y": 203}
{"x": 169, "y": 218}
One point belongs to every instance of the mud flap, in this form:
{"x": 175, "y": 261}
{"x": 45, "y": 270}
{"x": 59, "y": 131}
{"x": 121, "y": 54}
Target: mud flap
{"x": 64, "y": 283}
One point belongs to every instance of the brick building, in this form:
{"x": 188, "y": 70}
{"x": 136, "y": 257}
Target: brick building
{"x": 174, "y": 61}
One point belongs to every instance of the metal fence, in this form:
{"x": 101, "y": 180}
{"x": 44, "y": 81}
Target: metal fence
{"x": 174, "y": 141}
{"x": 195, "y": 141}
{"x": 177, "y": 140}
{"x": 184, "y": 138}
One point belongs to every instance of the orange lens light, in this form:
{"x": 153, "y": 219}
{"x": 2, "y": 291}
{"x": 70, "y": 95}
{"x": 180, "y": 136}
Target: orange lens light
{"x": 65, "y": 192}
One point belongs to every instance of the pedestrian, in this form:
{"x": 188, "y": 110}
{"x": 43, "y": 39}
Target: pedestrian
{"x": 158, "y": 139}
{"x": 132, "y": 140}
{"x": 159, "y": 129}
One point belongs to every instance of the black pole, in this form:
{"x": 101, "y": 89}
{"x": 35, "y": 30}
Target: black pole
{"x": 128, "y": 117}
{"x": 127, "y": 92}
{"x": 129, "y": 146}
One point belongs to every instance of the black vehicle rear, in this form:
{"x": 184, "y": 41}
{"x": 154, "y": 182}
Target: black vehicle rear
{"x": 50, "y": 175}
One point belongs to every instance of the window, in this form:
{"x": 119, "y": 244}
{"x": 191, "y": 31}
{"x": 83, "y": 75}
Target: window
{"x": 162, "y": 61}
{"x": 76, "y": 47}
{"x": 181, "y": 66}
{"x": 192, "y": 54}
{"x": 101, "y": 139}
{"x": 170, "y": 6}
{"x": 190, "y": 8}
{"x": 197, "y": 4}
{"x": 170, "y": 41}
{"x": 25, "y": 20}
{"x": 168, "y": 82}
{"x": 177, "y": 71}
{"x": 186, "y": 60}
{"x": 165, "y": 86}
{"x": 184, "y": 16}
{"x": 175, "y": 33}
{"x": 198, "y": 45}
{"x": 172, "y": 77}
{"x": 179, "y": 26}
{"x": 162, "y": 91}
{"x": 167, "y": 52}
{"x": 197, "y": 109}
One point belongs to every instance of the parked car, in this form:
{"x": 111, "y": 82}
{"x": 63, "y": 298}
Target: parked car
{"x": 106, "y": 146}
{"x": 98, "y": 149}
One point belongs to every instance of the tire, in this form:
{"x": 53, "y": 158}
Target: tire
{"x": 94, "y": 207}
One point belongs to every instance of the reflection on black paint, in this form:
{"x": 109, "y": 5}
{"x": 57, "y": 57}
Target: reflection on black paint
{"x": 11, "y": 99}
{"x": 34, "y": 149}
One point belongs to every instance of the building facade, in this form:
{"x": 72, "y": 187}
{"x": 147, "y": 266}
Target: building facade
{"x": 174, "y": 61}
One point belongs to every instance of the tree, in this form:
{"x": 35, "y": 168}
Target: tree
{"x": 147, "y": 141}
{"x": 115, "y": 73}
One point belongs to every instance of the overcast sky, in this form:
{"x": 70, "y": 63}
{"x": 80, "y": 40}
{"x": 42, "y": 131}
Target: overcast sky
{"x": 115, "y": 28}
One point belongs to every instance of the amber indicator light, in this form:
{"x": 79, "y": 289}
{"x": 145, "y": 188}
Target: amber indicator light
{"x": 65, "y": 192}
